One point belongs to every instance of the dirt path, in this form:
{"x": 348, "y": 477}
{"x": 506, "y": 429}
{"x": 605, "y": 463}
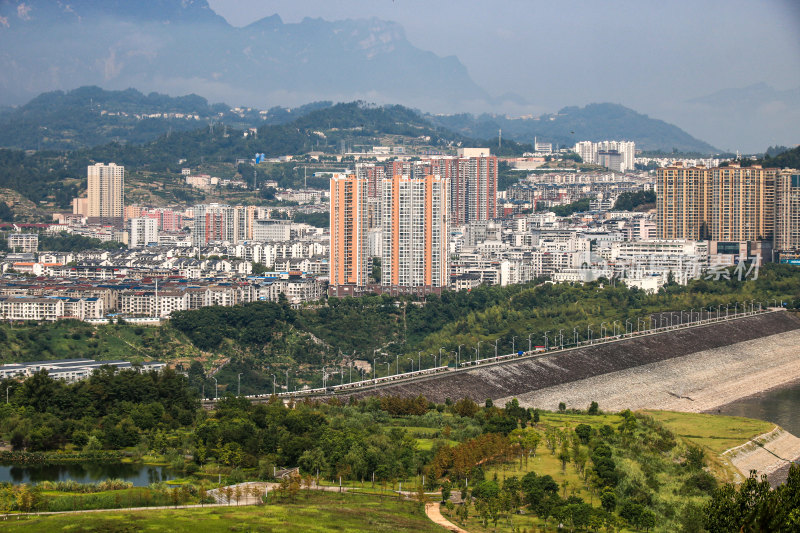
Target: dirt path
{"x": 432, "y": 510}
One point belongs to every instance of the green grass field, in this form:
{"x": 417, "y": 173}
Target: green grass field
{"x": 313, "y": 512}
{"x": 717, "y": 433}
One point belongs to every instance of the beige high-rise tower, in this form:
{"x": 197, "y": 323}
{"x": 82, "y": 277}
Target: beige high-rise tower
{"x": 106, "y": 193}
{"x": 730, "y": 203}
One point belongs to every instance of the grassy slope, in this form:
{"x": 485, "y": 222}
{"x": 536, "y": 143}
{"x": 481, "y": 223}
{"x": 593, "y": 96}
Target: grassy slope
{"x": 714, "y": 433}
{"x": 314, "y": 512}
{"x": 70, "y": 339}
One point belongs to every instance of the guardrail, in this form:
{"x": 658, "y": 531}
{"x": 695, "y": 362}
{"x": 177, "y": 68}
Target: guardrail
{"x": 539, "y": 352}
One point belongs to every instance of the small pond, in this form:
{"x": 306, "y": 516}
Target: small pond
{"x": 138, "y": 474}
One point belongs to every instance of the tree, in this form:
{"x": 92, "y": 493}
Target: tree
{"x": 594, "y": 409}
{"x": 446, "y": 489}
{"x": 583, "y": 431}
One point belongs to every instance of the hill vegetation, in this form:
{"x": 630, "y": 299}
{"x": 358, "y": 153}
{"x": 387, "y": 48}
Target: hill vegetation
{"x": 263, "y": 338}
{"x": 594, "y": 122}
{"x": 586, "y": 469}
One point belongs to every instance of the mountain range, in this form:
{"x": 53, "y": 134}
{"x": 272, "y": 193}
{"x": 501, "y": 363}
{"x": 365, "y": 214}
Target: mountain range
{"x": 182, "y": 46}
{"x": 90, "y": 116}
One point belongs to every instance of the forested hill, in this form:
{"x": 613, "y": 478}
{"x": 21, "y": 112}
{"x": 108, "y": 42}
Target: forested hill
{"x": 91, "y": 116}
{"x": 594, "y": 122}
{"x": 353, "y": 125}
{"x": 787, "y": 159}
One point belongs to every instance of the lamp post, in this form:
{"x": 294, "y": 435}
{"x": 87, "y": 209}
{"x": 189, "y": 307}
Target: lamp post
{"x": 239, "y": 384}
{"x": 575, "y": 335}
{"x": 273, "y": 384}
{"x": 495, "y": 347}
{"x": 419, "y": 360}
{"x": 628, "y": 320}
{"x": 476, "y": 356}
{"x": 216, "y": 388}
{"x": 7, "y": 389}
{"x": 561, "y": 337}
{"x": 478, "y": 352}
{"x": 530, "y": 346}
{"x": 440, "y": 356}
{"x": 603, "y": 330}
{"x": 545, "y": 339}
{"x": 388, "y": 368}
{"x": 458, "y": 357}
{"x": 287, "y": 380}
{"x": 412, "y": 363}
{"x": 397, "y": 364}
{"x": 589, "y": 333}
{"x": 513, "y": 344}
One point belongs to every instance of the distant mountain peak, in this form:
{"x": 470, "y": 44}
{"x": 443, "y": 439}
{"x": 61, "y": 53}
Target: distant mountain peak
{"x": 181, "y": 46}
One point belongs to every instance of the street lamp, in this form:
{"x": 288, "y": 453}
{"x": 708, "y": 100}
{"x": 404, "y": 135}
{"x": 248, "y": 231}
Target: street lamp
{"x": 575, "y": 334}
{"x": 412, "y": 363}
{"x": 273, "y": 384}
{"x": 530, "y": 347}
{"x": 478, "y": 352}
{"x": 513, "y": 344}
{"x": 388, "y": 367}
{"x": 458, "y": 359}
{"x": 561, "y": 336}
{"x": 440, "y": 356}
{"x": 628, "y": 320}
{"x": 239, "y": 385}
{"x": 216, "y": 389}
{"x": 419, "y": 360}
{"x": 495, "y": 347}
{"x": 545, "y": 339}
{"x": 603, "y": 330}
{"x": 589, "y": 333}
{"x": 7, "y": 389}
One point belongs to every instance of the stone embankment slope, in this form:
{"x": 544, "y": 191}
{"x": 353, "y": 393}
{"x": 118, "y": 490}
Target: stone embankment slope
{"x": 618, "y": 361}
{"x": 770, "y": 454}
{"x": 699, "y": 382}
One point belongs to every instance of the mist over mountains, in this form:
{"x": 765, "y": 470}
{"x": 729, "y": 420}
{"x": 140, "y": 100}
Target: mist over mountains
{"x": 182, "y": 47}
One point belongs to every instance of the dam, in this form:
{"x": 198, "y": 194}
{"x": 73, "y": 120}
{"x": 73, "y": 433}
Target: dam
{"x": 695, "y": 368}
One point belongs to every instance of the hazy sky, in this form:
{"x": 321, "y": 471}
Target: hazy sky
{"x": 651, "y": 56}
{"x": 558, "y": 53}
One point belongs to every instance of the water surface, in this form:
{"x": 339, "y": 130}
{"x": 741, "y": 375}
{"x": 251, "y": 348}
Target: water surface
{"x": 138, "y": 474}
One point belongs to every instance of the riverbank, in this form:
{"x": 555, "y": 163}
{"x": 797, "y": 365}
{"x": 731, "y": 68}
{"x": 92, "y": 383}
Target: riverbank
{"x": 703, "y": 382}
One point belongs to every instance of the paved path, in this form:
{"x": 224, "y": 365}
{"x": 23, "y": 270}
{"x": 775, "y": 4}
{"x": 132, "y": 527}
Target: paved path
{"x": 432, "y": 510}
{"x": 249, "y": 496}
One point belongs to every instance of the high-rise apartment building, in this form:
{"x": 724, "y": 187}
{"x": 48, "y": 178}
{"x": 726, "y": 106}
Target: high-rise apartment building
{"x": 787, "y": 210}
{"x": 681, "y": 202}
{"x": 222, "y": 223}
{"x": 731, "y": 204}
{"x": 416, "y": 232}
{"x": 349, "y": 265}
{"x": 374, "y": 175}
{"x": 591, "y": 152}
{"x": 144, "y": 231}
{"x": 741, "y": 203}
{"x": 106, "y": 185}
